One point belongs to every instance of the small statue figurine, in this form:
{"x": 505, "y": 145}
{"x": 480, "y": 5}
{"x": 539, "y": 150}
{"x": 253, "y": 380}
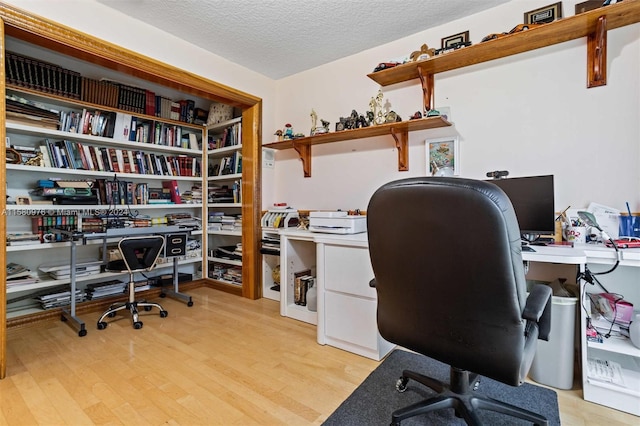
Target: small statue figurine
{"x": 379, "y": 109}
{"x": 287, "y": 133}
{"x": 279, "y": 134}
{"x": 314, "y": 122}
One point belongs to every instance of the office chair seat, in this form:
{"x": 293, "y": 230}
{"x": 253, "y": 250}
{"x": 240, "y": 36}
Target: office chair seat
{"x": 139, "y": 254}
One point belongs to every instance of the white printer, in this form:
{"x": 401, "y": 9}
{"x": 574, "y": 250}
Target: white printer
{"x": 337, "y": 222}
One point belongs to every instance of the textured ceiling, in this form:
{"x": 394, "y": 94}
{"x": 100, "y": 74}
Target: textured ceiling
{"x": 278, "y": 38}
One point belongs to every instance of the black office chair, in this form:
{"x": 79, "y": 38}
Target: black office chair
{"x": 449, "y": 276}
{"x": 139, "y": 254}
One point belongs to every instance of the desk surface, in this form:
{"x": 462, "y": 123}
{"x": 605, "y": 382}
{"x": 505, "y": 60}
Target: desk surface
{"x": 579, "y": 254}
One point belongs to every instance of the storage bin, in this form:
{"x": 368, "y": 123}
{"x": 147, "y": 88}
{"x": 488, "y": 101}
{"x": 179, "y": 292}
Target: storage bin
{"x": 554, "y": 360}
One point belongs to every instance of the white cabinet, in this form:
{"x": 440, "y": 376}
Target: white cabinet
{"x": 624, "y": 281}
{"x": 347, "y": 305}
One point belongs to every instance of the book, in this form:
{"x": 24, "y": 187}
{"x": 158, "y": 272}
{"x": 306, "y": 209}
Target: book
{"x": 122, "y": 126}
{"x": 174, "y": 190}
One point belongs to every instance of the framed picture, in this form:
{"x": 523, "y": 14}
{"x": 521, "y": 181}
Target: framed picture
{"x": 443, "y": 156}
{"x": 544, "y": 15}
{"x": 455, "y": 39}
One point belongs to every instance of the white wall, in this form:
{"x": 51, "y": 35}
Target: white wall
{"x": 530, "y": 114}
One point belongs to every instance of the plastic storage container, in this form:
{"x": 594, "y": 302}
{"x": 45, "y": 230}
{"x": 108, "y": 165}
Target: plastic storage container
{"x": 554, "y": 359}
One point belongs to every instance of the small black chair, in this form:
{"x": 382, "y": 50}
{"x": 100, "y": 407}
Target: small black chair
{"x": 449, "y": 276}
{"x": 139, "y": 254}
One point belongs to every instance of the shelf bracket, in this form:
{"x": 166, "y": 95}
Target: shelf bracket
{"x": 428, "y": 95}
{"x": 304, "y": 152}
{"x": 402, "y": 144}
{"x": 597, "y": 54}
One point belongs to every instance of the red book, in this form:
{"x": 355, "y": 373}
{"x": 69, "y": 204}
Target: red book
{"x": 172, "y": 185}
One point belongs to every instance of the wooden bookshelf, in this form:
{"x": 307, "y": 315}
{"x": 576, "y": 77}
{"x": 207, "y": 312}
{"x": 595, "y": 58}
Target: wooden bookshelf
{"x": 399, "y": 131}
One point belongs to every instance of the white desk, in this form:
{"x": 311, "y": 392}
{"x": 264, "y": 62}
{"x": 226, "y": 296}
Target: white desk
{"x": 346, "y": 316}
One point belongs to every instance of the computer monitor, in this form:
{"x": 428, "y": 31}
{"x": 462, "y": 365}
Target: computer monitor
{"x": 532, "y": 200}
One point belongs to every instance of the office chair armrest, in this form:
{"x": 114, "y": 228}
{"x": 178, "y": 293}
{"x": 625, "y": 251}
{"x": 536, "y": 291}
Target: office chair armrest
{"x": 372, "y": 283}
{"x": 538, "y": 309}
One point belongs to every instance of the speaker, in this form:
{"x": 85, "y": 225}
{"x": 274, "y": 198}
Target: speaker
{"x": 175, "y": 245}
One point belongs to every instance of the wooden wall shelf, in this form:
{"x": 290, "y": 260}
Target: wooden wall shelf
{"x": 399, "y": 131}
{"x": 566, "y": 29}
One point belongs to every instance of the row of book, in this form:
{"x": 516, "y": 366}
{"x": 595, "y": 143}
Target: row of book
{"x": 74, "y": 155}
{"x": 42, "y": 76}
{"x": 230, "y": 164}
{"x": 225, "y": 272}
{"x": 50, "y": 78}
{"x": 44, "y": 225}
{"x": 225, "y": 193}
{"x": 303, "y": 281}
{"x": 126, "y": 127}
{"x": 231, "y": 136}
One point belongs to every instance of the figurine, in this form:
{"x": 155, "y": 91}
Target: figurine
{"x": 287, "y": 133}
{"x": 314, "y": 122}
{"x": 416, "y": 116}
{"x": 279, "y": 134}
{"x": 378, "y": 112}
{"x": 423, "y": 53}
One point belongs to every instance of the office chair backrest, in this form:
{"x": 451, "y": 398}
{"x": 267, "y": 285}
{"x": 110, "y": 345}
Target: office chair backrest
{"x": 446, "y": 255}
{"x": 141, "y": 253}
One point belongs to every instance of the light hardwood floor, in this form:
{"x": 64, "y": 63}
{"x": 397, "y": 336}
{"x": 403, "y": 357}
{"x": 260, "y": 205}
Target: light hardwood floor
{"x": 227, "y": 361}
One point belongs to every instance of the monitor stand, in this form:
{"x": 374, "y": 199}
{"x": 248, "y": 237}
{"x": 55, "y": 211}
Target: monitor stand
{"x": 526, "y": 247}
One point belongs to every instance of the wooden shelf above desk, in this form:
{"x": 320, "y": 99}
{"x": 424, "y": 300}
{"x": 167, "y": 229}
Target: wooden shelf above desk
{"x": 399, "y": 131}
{"x": 566, "y": 29}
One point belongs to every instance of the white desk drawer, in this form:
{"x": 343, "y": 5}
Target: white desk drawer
{"x": 351, "y": 319}
{"x": 348, "y": 270}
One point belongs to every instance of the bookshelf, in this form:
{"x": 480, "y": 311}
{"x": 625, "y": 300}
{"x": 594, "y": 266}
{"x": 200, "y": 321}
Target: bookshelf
{"x": 50, "y": 42}
{"x": 224, "y": 202}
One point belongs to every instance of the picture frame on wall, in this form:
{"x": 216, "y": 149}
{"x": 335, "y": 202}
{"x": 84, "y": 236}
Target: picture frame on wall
{"x": 544, "y": 15}
{"x": 443, "y": 156}
{"x": 454, "y": 40}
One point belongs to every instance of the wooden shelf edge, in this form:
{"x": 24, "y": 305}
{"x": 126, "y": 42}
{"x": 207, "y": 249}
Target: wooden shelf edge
{"x": 364, "y": 132}
{"x": 565, "y": 29}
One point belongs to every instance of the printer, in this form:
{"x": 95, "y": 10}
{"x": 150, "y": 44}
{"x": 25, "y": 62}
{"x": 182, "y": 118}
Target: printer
{"x": 337, "y": 222}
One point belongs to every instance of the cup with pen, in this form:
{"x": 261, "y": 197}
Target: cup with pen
{"x": 574, "y": 230}
{"x": 629, "y": 225}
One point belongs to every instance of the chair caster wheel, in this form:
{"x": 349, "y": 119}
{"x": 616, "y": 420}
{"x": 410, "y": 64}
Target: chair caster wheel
{"x": 190, "y": 303}
{"x": 163, "y": 295}
{"x": 82, "y": 333}
{"x": 137, "y": 325}
{"x": 163, "y": 314}
{"x": 111, "y": 314}
{"x": 102, "y": 325}
{"x": 147, "y": 308}
{"x": 401, "y": 384}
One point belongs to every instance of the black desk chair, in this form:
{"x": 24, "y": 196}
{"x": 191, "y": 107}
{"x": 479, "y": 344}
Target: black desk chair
{"x": 139, "y": 254}
{"x": 450, "y": 282}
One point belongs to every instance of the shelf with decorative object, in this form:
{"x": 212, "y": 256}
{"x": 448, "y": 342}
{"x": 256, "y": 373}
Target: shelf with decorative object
{"x": 398, "y": 130}
{"x": 593, "y": 24}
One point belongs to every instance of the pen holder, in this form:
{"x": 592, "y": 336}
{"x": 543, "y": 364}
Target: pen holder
{"x": 629, "y": 226}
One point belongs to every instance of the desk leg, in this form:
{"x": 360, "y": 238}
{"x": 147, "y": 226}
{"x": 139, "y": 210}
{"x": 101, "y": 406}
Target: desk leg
{"x": 70, "y": 314}
{"x": 176, "y": 292}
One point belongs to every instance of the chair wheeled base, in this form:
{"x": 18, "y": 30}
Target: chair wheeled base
{"x": 459, "y": 395}
{"x": 133, "y": 308}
